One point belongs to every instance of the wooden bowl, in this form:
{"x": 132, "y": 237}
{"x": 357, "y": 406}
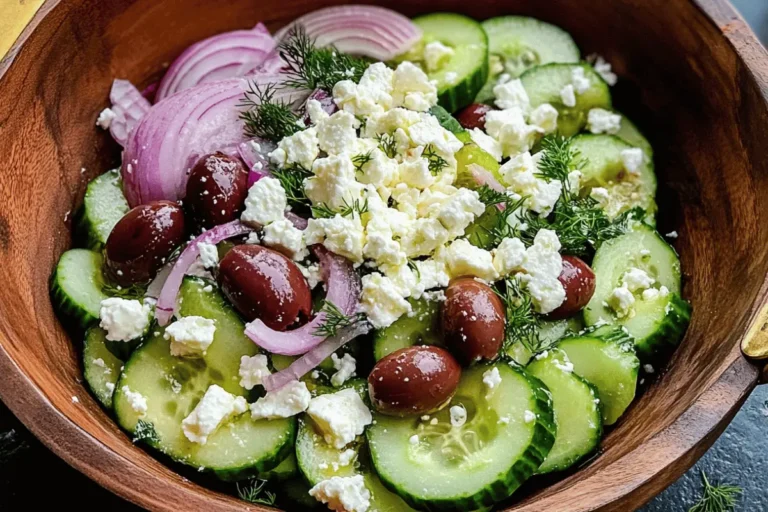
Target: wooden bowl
{"x": 694, "y": 76}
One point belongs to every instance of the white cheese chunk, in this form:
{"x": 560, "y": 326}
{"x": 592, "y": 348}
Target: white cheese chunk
{"x": 338, "y": 134}
{"x": 340, "y": 416}
{"x": 333, "y": 183}
{"x": 568, "y": 95}
{"x": 632, "y": 159}
{"x": 458, "y": 415}
{"x": 637, "y": 280}
{"x": 345, "y": 369}
{"x": 603, "y": 69}
{"x": 580, "y": 81}
{"x": 492, "y": 378}
{"x": 136, "y": 400}
{"x": 286, "y": 238}
{"x": 464, "y": 259}
{"x": 621, "y": 301}
{"x": 382, "y": 300}
{"x": 508, "y": 256}
{"x": 123, "y": 319}
{"x": 343, "y": 493}
{"x": 436, "y": 54}
{"x": 190, "y": 336}
{"x": 541, "y": 267}
{"x": 512, "y": 94}
{"x": 289, "y": 400}
{"x": 252, "y": 371}
{"x": 603, "y": 121}
{"x": 105, "y": 119}
{"x": 372, "y": 95}
{"x": 215, "y": 408}
{"x": 316, "y": 112}
{"x": 487, "y": 143}
{"x": 511, "y": 130}
{"x": 545, "y": 117}
{"x": 266, "y": 202}
{"x": 412, "y": 88}
{"x": 209, "y": 255}
{"x": 344, "y": 236}
{"x": 300, "y": 148}
{"x": 519, "y": 174}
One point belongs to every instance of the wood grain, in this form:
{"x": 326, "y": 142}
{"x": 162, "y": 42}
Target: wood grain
{"x": 694, "y": 77}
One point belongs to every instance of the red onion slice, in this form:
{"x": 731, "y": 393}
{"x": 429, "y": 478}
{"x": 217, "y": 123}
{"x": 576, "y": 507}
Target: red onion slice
{"x": 367, "y": 30}
{"x": 297, "y": 221}
{"x": 314, "y": 357}
{"x": 129, "y": 106}
{"x": 178, "y": 130}
{"x": 483, "y": 176}
{"x": 343, "y": 291}
{"x": 166, "y": 302}
{"x": 228, "y": 55}
{"x": 326, "y": 103}
{"x": 255, "y": 153}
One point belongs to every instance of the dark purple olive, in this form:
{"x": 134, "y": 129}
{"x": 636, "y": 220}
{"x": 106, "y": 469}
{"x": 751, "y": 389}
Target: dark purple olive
{"x": 141, "y": 242}
{"x": 216, "y": 190}
{"x": 264, "y": 284}
{"x": 414, "y": 380}
{"x": 473, "y": 116}
{"x": 579, "y": 283}
{"x": 472, "y": 319}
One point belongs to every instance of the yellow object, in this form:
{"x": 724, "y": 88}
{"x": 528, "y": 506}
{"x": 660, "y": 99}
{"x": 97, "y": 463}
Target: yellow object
{"x": 755, "y": 343}
{"x": 14, "y": 16}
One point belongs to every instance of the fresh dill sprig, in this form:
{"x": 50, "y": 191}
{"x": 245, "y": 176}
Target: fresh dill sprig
{"x": 255, "y": 492}
{"x": 716, "y": 498}
{"x": 323, "y": 211}
{"x": 414, "y": 267}
{"x": 145, "y": 431}
{"x": 264, "y": 117}
{"x": 522, "y": 323}
{"x": 335, "y": 319}
{"x": 309, "y": 67}
{"x": 492, "y": 197}
{"x": 134, "y": 291}
{"x": 387, "y": 144}
{"x": 436, "y": 162}
{"x": 292, "y": 178}
{"x": 502, "y": 227}
{"x": 360, "y": 160}
{"x": 558, "y": 160}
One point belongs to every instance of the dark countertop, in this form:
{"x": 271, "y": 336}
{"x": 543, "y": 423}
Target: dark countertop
{"x": 28, "y": 470}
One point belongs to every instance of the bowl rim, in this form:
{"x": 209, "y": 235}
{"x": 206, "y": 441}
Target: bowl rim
{"x": 680, "y": 444}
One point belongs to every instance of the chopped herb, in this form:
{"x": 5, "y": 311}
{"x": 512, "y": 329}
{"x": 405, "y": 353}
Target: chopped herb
{"x": 522, "y": 323}
{"x": 135, "y": 291}
{"x": 255, "y": 492}
{"x": 335, "y": 319}
{"x": 360, "y": 160}
{"x": 145, "y": 431}
{"x": 415, "y": 268}
{"x": 309, "y": 67}
{"x": 716, "y": 498}
{"x": 292, "y": 180}
{"x": 558, "y": 160}
{"x": 502, "y": 227}
{"x": 267, "y": 118}
{"x": 387, "y": 144}
{"x": 436, "y": 162}
{"x": 323, "y": 211}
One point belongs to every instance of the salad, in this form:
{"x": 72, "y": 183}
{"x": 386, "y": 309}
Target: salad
{"x": 372, "y": 263}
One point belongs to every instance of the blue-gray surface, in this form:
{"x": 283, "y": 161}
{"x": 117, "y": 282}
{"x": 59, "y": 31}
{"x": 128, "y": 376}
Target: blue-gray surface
{"x": 739, "y": 457}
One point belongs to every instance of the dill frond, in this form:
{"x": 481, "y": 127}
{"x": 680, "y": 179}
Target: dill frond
{"x": 264, "y": 117}
{"x": 716, "y": 498}
{"x": 387, "y": 144}
{"x": 522, "y": 322}
{"x": 255, "y": 492}
{"x": 292, "y": 178}
{"x": 335, "y": 319}
{"x": 436, "y": 162}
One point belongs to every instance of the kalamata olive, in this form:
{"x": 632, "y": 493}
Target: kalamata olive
{"x": 579, "y": 283}
{"x": 473, "y": 116}
{"x": 264, "y": 284}
{"x": 141, "y": 242}
{"x": 216, "y": 190}
{"x": 472, "y": 319}
{"x": 414, "y": 380}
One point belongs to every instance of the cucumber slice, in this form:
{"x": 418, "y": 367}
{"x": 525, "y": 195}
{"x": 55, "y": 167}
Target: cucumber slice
{"x": 550, "y": 331}
{"x": 420, "y": 328}
{"x": 172, "y": 386}
{"x": 577, "y": 410}
{"x": 630, "y": 133}
{"x": 76, "y": 286}
{"x": 472, "y": 154}
{"x": 320, "y": 461}
{"x": 657, "y": 324}
{"x": 478, "y": 232}
{"x": 103, "y": 205}
{"x": 286, "y": 470}
{"x": 544, "y": 83}
{"x": 100, "y": 366}
{"x": 604, "y": 168}
{"x": 466, "y": 71}
{"x": 294, "y": 495}
{"x": 474, "y": 465}
{"x": 517, "y": 43}
{"x": 612, "y": 367}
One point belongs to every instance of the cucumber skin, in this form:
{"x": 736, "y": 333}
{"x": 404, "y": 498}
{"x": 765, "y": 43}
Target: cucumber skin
{"x": 669, "y": 333}
{"x": 92, "y": 336}
{"x": 463, "y": 94}
{"x": 85, "y": 228}
{"x": 541, "y": 443}
{"x": 264, "y": 466}
{"x": 65, "y": 306}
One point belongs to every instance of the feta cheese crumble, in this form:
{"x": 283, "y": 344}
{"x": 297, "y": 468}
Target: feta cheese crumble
{"x": 123, "y": 319}
{"x": 568, "y": 95}
{"x": 345, "y": 368}
{"x": 603, "y": 121}
{"x": 343, "y": 494}
{"x": 621, "y": 301}
{"x": 492, "y": 378}
{"x": 284, "y": 237}
{"x": 266, "y": 202}
{"x": 136, "y": 400}
{"x": 382, "y": 300}
{"x": 458, "y": 416}
{"x": 541, "y": 267}
{"x": 603, "y": 68}
{"x": 289, "y": 400}
{"x": 436, "y": 54}
{"x": 105, "y": 118}
{"x": 190, "y": 336}
{"x": 519, "y": 174}
{"x": 340, "y": 416}
{"x": 529, "y": 416}
{"x": 486, "y": 143}
{"x": 632, "y": 159}
{"x": 209, "y": 255}
{"x": 215, "y": 408}
{"x": 512, "y": 94}
{"x": 252, "y": 371}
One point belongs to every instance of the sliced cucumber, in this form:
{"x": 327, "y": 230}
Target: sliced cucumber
{"x": 474, "y": 465}
{"x": 550, "y": 331}
{"x": 103, "y": 205}
{"x": 100, "y": 366}
{"x": 577, "y": 410}
{"x": 172, "y": 387}
{"x": 472, "y": 154}
{"x": 294, "y": 495}
{"x": 466, "y": 71}
{"x": 517, "y": 43}
{"x": 420, "y": 328}
{"x": 604, "y": 168}
{"x": 286, "y": 470}
{"x": 479, "y": 231}
{"x": 544, "y": 83}
{"x": 657, "y": 323}
{"x": 612, "y": 367}
{"x": 631, "y": 134}
{"x": 76, "y": 286}
{"x": 320, "y": 461}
